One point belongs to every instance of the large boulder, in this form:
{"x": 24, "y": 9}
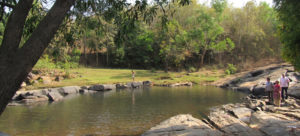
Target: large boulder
{"x": 258, "y": 90}
{"x": 134, "y": 84}
{"x": 69, "y": 90}
{"x": 96, "y": 87}
{"x": 294, "y": 90}
{"x": 182, "y": 125}
{"x": 54, "y": 96}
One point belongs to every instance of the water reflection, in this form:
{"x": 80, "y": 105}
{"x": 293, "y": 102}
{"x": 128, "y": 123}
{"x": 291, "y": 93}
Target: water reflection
{"x": 126, "y": 112}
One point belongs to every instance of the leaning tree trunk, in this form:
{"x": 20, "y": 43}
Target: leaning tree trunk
{"x": 15, "y": 62}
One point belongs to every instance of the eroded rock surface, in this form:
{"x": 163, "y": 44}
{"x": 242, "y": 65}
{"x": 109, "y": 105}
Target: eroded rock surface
{"x": 182, "y": 125}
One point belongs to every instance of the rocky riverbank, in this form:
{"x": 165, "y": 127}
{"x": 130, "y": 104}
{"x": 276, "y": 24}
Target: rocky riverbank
{"x": 57, "y": 94}
{"x": 254, "y": 117}
{"x": 254, "y": 81}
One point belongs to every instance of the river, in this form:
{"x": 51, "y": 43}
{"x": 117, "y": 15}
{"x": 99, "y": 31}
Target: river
{"x": 125, "y": 112}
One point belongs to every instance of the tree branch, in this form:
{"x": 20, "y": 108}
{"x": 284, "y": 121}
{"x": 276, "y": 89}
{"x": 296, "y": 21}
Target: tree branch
{"x": 45, "y": 31}
{"x": 14, "y": 27}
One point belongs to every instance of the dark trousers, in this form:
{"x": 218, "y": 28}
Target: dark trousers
{"x": 270, "y": 95}
{"x": 284, "y": 93}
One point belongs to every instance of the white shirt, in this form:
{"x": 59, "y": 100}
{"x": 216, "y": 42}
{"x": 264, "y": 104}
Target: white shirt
{"x": 284, "y": 82}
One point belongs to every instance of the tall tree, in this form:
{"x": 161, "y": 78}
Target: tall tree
{"x": 289, "y": 29}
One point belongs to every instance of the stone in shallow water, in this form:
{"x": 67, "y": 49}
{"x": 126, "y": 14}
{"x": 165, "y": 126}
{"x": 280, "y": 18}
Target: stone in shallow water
{"x": 183, "y": 125}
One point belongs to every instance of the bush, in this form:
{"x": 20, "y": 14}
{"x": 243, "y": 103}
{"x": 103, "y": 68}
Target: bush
{"x": 192, "y": 69}
{"x": 231, "y": 69}
{"x": 45, "y": 62}
{"x": 153, "y": 70}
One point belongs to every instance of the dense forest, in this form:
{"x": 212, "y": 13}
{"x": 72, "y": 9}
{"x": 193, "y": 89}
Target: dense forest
{"x": 177, "y": 38}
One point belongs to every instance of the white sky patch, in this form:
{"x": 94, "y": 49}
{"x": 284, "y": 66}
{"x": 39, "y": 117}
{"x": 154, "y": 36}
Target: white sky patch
{"x": 238, "y": 3}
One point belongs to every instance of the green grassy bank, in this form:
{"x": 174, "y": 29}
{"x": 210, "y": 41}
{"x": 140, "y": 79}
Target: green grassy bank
{"x": 89, "y": 76}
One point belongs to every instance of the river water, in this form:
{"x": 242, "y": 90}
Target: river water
{"x": 125, "y": 112}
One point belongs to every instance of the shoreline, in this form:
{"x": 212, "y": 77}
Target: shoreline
{"x": 253, "y": 117}
{"x": 57, "y": 94}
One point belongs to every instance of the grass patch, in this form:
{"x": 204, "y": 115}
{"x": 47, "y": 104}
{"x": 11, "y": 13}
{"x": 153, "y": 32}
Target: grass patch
{"x": 89, "y": 76}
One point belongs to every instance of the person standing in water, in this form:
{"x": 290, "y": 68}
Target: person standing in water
{"x": 284, "y": 83}
{"x": 133, "y": 75}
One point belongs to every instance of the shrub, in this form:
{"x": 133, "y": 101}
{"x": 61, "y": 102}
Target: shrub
{"x": 192, "y": 69}
{"x": 231, "y": 69}
{"x": 45, "y": 62}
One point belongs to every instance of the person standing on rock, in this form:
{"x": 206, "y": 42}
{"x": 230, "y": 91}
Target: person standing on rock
{"x": 284, "y": 83}
{"x": 269, "y": 90}
{"x": 276, "y": 93}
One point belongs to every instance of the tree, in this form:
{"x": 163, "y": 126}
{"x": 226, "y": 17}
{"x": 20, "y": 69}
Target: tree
{"x": 289, "y": 29}
{"x": 17, "y": 61}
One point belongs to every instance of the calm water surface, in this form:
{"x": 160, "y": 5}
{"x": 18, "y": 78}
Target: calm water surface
{"x": 126, "y": 112}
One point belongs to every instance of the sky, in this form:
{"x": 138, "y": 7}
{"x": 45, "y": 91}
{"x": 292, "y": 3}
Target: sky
{"x": 239, "y": 3}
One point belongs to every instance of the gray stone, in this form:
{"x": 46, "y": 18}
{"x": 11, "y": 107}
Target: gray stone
{"x": 83, "y": 91}
{"x": 182, "y": 125}
{"x": 231, "y": 125}
{"x": 242, "y": 89}
{"x": 96, "y": 87}
{"x": 147, "y": 83}
{"x": 275, "y": 124}
{"x": 258, "y": 90}
{"x": 121, "y": 86}
{"x": 69, "y": 90}
{"x": 134, "y": 84}
{"x": 54, "y": 96}
{"x": 242, "y": 113}
{"x": 109, "y": 87}
{"x": 294, "y": 90}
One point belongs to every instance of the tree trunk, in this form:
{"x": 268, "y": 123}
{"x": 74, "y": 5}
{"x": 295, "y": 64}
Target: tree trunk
{"x": 202, "y": 58}
{"x": 97, "y": 58}
{"x": 16, "y": 63}
{"x": 107, "y": 63}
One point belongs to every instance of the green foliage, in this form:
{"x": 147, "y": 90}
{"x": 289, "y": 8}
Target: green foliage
{"x": 45, "y": 62}
{"x": 231, "y": 69}
{"x": 192, "y": 69}
{"x": 289, "y": 29}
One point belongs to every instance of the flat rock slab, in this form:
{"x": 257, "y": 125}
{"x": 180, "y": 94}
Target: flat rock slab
{"x": 182, "y": 125}
{"x": 275, "y": 124}
{"x": 231, "y": 125}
